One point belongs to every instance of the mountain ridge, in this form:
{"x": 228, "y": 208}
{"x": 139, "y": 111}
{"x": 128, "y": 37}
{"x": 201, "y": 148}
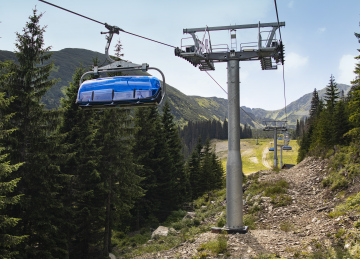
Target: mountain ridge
{"x": 184, "y": 107}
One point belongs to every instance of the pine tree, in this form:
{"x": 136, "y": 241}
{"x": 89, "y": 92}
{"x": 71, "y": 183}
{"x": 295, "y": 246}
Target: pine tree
{"x": 118, "y": 170}
{"x": 32, "y": 143}
{"x": 314, "y": 105}
{"x": 84, "y": 196}
{"x": 331, "y": 95}
{"x": 151, "y": 154}
{"x": 204, "y": 169}
{"x": 354, "y": 102}
{"x": 8, "y": 241}
{"x": 194, "y": 169}
{"x": 178, "y": 185}
{"x": 341, "y": 123}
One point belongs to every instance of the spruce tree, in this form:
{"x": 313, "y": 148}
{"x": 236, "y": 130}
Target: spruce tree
{"x": 32, "y": 143}
{"x": 85, "y": 195}
{"x": 354, "y": 102}
{"x": 341, "y": 123}
{"x": 118, "y": 170}
{"x": 331, "y": 95}
{"x": 194, "y": 170}
{"x": 8, "y": 241}
{"x": 314, "y": 105}
{"x": 178, "y": 184}
{"x": 149, "y": 152}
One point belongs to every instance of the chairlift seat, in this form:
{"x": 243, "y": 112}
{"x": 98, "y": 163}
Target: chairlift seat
{"x": 120, "y": 91}
{"x": 287, "y": 148}
{"x": 271, "y": 149}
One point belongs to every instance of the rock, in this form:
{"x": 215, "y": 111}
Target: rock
{"x": 190, "y": 215}
{"x": 321, "y": 209}
{"x": 265, "y": 199}
{"x": 160, "y": 231}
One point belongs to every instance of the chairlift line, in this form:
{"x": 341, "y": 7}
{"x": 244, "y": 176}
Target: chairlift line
{"x": 105, "y": 24}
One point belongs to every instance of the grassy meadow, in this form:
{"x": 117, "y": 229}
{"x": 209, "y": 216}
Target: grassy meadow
{"x": 256, "y": 157}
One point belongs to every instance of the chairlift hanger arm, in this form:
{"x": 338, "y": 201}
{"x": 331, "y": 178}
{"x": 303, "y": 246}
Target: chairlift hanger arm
{"x": 234, "y": 27}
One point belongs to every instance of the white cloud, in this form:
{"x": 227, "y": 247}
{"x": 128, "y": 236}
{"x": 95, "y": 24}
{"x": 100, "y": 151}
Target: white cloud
{"x": 322, "y": 29}
{"x": 294, "y": 61}
{"x": 291, "y": 4}
{"x": 346, "y": 69}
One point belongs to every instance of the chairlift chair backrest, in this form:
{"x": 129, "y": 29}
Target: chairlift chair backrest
{"x": 120, "y": 91}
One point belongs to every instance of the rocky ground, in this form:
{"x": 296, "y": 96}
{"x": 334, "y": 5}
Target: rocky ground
{"x": 298, "y": 228}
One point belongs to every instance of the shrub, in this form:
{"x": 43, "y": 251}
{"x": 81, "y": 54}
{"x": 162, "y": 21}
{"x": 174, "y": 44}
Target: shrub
{"x": 286, "y": 226}
{"x": 215, "y": 246}
{"x": 357, "y": 224}
{"x": 249, "y": 220}
{"x": 281, "y": 200}
{"x": 174, "y": 216}
{"x": 352, "y": 203}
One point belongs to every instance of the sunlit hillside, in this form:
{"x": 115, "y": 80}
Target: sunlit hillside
{"x": 256, "y": 157}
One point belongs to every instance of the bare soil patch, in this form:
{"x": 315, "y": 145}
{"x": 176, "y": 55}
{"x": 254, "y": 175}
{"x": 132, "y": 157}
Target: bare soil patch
{"x": 283, "y": 231}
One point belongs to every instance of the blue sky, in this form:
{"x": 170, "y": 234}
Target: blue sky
{"x": 318, "y": 36}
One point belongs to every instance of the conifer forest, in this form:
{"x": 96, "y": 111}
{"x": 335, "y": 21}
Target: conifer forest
{"x": 70, "y": 178}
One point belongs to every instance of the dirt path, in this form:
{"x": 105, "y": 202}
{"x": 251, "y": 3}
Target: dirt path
{"x": 283, "y": 231}
{"x": 264, "y": 161}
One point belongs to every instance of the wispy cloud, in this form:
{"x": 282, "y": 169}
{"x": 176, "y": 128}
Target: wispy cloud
{"x": 291, "y": 4}
{"x": 322, "y": 29}
{"x": 346, "y": 69}
{"x": 294, "y": 61}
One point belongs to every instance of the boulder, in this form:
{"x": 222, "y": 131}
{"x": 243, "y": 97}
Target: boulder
{"x": 160, "y": 231}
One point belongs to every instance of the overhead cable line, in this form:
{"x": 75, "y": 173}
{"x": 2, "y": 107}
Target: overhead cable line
{"x": 277, "y": 16}
{"x": 105, "y": 24}
{"x": 216, "y": 82}
{"x": 240, "y": 106}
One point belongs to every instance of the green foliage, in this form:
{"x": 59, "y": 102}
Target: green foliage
{"x": 357, "y": 224}
{"x": 344, "y": 168}
{"x": 34, "y": 144}
{"x": 157, "y": 149}
{"x": 204, "y": 170}
{"x": 281, "y": 200}
{"x": 8, "y": 241}
{"x": 178, "y": 184}
{"x": 352, "y": 203}
{"x": 250, "y": 221}
{"x": 279, "y": 188}
{"x": 215, "y": 246}
{"x": 174, "y": 217}
{"x": 267, "y": 188}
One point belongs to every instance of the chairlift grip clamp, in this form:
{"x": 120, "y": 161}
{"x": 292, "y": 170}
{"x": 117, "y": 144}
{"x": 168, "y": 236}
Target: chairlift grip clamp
{"x": 144, "y": 67}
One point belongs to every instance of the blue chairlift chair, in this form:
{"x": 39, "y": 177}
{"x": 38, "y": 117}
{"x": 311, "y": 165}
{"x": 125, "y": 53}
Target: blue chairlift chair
{"x": 120, "y": 91}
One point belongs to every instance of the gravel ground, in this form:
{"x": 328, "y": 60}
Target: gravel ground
{"x": 306, "y": 219}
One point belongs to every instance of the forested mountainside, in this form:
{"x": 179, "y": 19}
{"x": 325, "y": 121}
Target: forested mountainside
{"x": 296, "y": 109}
{"x": 185, "y": 108}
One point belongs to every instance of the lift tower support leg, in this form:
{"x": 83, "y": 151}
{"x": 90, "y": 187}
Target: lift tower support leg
{"x": 234, "y": 179}
{"x": 275, "y": 148}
